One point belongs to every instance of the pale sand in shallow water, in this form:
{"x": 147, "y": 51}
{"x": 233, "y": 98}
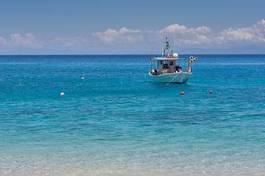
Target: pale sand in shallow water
{"x": 82, "y": 170}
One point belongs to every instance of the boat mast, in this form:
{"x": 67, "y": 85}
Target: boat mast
{"x": 167, "y": 47}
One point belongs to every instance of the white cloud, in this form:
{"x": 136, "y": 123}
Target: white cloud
{"x": 177, "y": 28}
{"x": 123, "y": 34}
{"x": 27, "y": 40}
{"x": 253, "y": 34}
{"x": 240, "y": 34}
{"x": 262, "y": 23}
{"x": 188, "y": 35}
{"x": 180, "y": 33}
{"x": 20, "y": 41}
{"x": 174, "y": 28}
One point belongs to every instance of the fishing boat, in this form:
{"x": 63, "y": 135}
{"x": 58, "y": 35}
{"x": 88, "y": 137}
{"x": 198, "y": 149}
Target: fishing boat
{"x": 167, "y": 69}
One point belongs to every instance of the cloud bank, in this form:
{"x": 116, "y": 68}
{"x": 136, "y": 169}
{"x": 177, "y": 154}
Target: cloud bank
{"x": 253, "y": 34}
{"x": 128, "y": 40}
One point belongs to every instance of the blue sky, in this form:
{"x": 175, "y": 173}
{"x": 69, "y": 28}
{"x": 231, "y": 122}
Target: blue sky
{"x": 129, "y": 27}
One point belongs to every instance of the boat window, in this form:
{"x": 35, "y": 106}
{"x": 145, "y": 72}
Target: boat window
{"x": 165, "y": 66}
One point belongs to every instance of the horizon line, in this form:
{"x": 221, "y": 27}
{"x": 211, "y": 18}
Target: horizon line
{"x": 130, "y": 54}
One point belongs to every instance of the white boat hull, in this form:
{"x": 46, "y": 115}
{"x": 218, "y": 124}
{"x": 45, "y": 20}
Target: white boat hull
{"x": 178, "y": 77}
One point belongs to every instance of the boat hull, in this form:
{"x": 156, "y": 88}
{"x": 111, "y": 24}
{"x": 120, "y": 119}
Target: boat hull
{"x": 178, "y": 77}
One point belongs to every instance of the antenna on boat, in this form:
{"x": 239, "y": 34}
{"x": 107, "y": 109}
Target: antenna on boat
{"x": 163, "y": 49}
{"x": 174, "y": 38}
{"x": 167, "y": 46}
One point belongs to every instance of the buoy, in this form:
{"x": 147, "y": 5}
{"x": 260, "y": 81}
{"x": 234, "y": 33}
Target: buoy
{"x": 62, "y": 94}
{"x": 182, "y": 93}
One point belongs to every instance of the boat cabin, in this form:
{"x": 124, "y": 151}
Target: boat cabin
{"x": 167, "y": 63}
{"x": 163, "y": 65}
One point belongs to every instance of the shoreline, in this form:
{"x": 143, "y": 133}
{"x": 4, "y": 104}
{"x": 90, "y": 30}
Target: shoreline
{"x": 129, "y": 171}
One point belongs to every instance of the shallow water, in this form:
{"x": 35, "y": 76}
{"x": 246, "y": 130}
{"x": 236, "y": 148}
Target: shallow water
{"x": 117, "y": 122}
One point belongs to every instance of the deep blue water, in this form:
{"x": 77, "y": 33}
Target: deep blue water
{"x": 116, "y": 119}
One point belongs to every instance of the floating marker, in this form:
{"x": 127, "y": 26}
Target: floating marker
{"x": 182, "y": 93}
{"x": 62, "y": 94}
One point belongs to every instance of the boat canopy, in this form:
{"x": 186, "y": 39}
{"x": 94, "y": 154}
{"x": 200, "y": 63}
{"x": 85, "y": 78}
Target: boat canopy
{"x": 165, "y": 58}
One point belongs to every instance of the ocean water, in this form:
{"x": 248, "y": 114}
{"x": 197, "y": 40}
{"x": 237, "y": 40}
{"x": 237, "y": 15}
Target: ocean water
{"x": 116, "y": 121}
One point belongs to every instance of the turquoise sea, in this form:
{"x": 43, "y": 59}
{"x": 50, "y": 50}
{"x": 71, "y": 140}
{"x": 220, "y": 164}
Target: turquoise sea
{"x": 113, "y": 120}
